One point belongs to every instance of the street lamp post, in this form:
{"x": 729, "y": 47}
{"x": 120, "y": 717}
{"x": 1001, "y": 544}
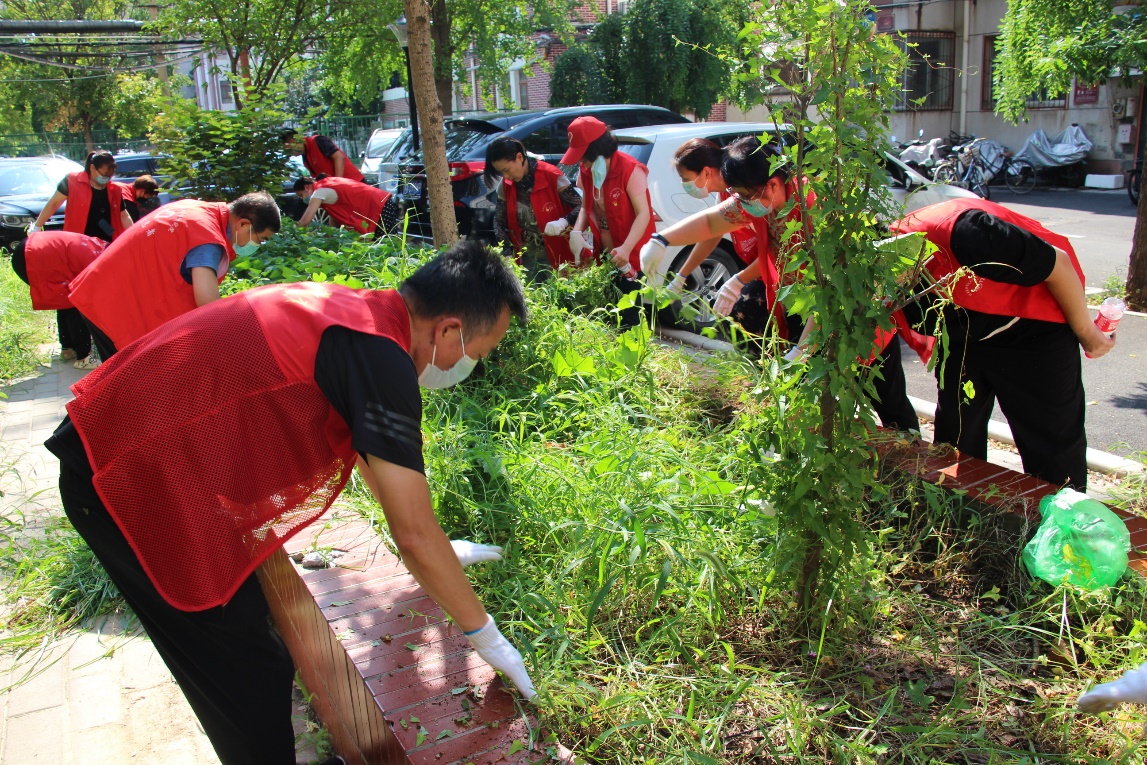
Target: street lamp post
{"x": 399, "y": 30}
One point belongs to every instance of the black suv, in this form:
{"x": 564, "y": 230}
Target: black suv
{"x": 543, "y": 132}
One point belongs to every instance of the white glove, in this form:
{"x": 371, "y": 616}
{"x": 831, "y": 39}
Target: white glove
{"x": 578, "y": 243}
{"x": 653, "y": 262}
{"x": 33, "y": 229}
{"x": 1131, "y": 688}
{"x": 496, "y": 651}
{"x": 727, "y": 296}
{"x": 794, "y": 353}
{"x": 556, "y": 227}
{"x": 470, "y": 553}
{"x": 677, "y": 286}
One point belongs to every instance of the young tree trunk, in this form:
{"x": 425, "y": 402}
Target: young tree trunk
{"x": 443, "y": 54}
{"x": 442, "y": 218}
{"x": 89, "y": 141}
{"x": 1137, "y": 268}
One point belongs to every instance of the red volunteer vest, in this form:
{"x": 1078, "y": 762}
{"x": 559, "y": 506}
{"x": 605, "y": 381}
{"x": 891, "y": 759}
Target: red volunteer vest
{"x": 234, "y": 448}
{"x": 619, "y": 211}
{"x": 744, "y": 238}
{"x": 80, "y": 201}
{"x": 359, "y": 206}
{"x": 548, "y": 206}
{"x": 317, "y": 162}
{"x": 54, "y": 258}
{"x": 135, "y": 285}
{"x": 979, "y": 294}
{"x": 127, "y": 191}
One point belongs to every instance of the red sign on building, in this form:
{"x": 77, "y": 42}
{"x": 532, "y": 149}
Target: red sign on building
{"x": 1085, "y": 94}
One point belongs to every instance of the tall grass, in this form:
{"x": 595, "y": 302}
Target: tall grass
{"x": 22, "y": 330}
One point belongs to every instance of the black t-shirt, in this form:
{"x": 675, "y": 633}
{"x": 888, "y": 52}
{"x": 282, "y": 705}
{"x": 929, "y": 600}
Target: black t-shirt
{"x": 371, "y": 382}
{"x": 326, "y": 146}
{"x": 1007, "y": 254}
{"x": 99, "y": 213}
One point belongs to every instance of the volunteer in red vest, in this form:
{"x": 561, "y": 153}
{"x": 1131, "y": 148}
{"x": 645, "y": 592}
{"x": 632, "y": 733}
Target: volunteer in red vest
{"x": 321, "y": 155}
{"x": 536, "y": 207}
{"x": 760, "y": 190}
{"x": 47, "y": 262}
{"x": 358, "y": 206}
{"x": 170, "y": 263}
{"x": 1014, "y": 331}
{"x": 95, "y": 204}
{"x": 140, "y": 197}
{"x": 193, "y": 455}
{"x": 615, "y": 193}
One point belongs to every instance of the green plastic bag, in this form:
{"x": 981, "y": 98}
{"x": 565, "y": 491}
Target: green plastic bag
{"x": 1080, "y": 541}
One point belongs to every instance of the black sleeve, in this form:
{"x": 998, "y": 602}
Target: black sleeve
{"x": 132, "y": 209}
{"x": 1001, "y": 251}
{"x": 62, "y": 187}
{"x": 370, "y": 381}
{"x": 328, "y": 147}
{"x": 570, "y": 196}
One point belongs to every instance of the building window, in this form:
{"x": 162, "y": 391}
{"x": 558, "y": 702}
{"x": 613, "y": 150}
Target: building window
{"x": 1041, "y": 99}
{"x": 927, "y": 84}
{"x": 226, "y": 96}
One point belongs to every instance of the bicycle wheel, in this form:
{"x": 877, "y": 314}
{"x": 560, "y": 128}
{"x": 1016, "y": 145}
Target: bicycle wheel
{"x": 946, "y": 173}
{"x": 978, "y": 182}
{"x": 1134, "y": 179}
{"x": 1020, "y": 177}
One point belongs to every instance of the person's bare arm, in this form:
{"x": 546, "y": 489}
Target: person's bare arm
{"x": 751, "y": 272}
{"x": 339, "y": 160}
{"x": 712, "y": 223}
{"x": 697, "y": 255}
{"x": 49, "y": 210}
{"x": 205, "y": 283}
{"x": 639, "y": 199}
{"x": 312, "y": 208}
{"x": 1065, "y": 287}
{"x": 583, "y": 214}
{"x": 125, "y": 219}
{"x": 404, "y": 497}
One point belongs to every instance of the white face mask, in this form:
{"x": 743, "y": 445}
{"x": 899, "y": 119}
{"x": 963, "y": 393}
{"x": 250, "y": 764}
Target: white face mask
{"x": 434, "y": 378}
{"x": 102, "y": 180}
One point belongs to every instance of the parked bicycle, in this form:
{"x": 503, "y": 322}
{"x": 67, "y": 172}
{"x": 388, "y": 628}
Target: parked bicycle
{"x": 1018, "y": 174}
{"x": 1134, "y": 181}
{"x": 963, "y": 168}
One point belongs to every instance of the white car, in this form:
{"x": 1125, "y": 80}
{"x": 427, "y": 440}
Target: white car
{"x": 655, "y": 146}
{"x": 377, "y": 148}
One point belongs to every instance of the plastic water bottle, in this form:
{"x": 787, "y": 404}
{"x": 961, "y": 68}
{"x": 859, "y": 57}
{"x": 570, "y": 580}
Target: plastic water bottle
{"x": 1109, "y": 315}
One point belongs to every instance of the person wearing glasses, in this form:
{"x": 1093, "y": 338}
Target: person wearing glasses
{"x": 760, "y": 187}
{"x": 171, "y": 262}
{"x": 95, "y": 208}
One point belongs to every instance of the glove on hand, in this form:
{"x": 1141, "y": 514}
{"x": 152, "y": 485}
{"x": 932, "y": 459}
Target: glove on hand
{"x": 470, "y": 553}
{"x": 677, "y": 286}
{"x": 727, "y": 296}
{"x": 578, "y": 243}
{"x": 556, "y": 227}
{"x": 496, "y": 651}
{"x": 33, "y": 229}
{"x": 1131, "y": 688}
{"x": 652, "y": 262}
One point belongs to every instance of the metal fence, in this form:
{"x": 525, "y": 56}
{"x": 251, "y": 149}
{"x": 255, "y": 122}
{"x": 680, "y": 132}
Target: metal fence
{"x": 66, "y": 144}
{"x": 350, "y": 133}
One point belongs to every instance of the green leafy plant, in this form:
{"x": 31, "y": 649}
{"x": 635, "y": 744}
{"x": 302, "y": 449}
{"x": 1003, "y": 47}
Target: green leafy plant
{"x": 221, "y": 155}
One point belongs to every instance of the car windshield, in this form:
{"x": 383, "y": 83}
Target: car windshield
{"x": 27, "y": 179}
{"x": 378, "y": 144}
{"x": 464, "y": 140}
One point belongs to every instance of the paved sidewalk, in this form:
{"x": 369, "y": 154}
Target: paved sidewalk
{"x": 96, "y": 696}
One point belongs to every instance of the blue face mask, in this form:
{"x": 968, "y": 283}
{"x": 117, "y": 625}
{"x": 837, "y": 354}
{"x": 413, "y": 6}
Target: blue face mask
{"x": 246, "y": 250}
{"x": 755, "y": 208}
{"x": 102, "y": 180}
{"x": 598, "y": 169}
{"x": 693, "y": 190}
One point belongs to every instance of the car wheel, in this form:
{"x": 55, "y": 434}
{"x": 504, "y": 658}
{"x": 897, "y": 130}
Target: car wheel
{"x": 702, "y": 286}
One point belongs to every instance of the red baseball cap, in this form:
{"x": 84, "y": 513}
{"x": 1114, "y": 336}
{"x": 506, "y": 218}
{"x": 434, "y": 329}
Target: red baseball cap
{"x": 582, "y": 132}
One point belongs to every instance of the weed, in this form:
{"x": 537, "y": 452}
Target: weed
{"x": 22, "y": 330}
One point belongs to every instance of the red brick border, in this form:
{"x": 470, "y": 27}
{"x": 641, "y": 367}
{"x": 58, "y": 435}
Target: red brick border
{"x": 391, "y": 677}
{"x": 993, "y": 485}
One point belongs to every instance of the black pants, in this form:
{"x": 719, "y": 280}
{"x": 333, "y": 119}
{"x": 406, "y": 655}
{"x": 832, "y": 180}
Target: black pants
{"x": 103, "y": 342}
{"x": 891, "y": 400}
{"x": 1040, "y": 391}
{"x": 229, "y": 661}
{"x": 71, "y": 328}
